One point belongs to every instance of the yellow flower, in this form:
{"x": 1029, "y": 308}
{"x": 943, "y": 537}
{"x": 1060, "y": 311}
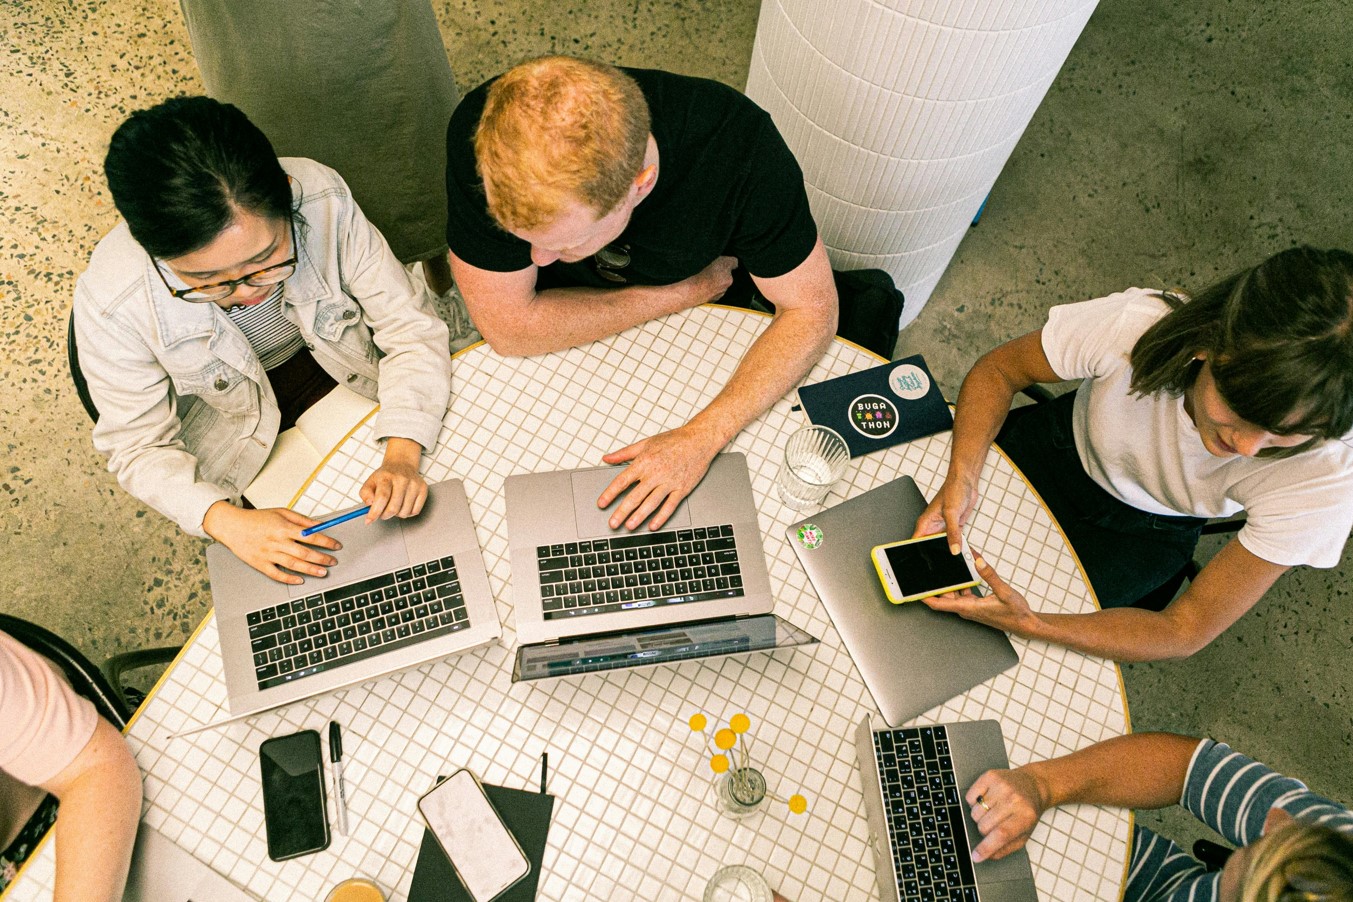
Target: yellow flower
{"x": 725, "y": 739}
{"x": 719, "y": 763}
{"x": 697, "y": 722}
{"x": 798, "y": 804}
{"x": 740, "y": 723}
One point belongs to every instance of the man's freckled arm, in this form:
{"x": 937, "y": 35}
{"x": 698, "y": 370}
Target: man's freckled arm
{"x": 805, "y": 321}
{"x": 518, "y": 321}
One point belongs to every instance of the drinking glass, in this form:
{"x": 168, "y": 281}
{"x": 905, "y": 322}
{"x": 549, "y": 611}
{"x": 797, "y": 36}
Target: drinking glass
{"x": 815, "y": 458}
{"x": 737, "y": 883}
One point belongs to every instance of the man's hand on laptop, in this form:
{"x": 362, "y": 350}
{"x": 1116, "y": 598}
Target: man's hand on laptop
{"x": 663, "y": 469}
{"x": 270, "y": 539}
{"x": 1003, "y": 607}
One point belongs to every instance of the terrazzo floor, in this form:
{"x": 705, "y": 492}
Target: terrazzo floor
{"x": 1179, "y": 142}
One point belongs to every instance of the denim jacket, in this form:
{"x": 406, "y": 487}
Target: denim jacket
{"x": 186, "y": 414}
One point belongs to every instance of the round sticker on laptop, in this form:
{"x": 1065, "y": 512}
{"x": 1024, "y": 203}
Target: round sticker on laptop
{"x": 873, "y": 416}
{"x": 810, "y": 536}
{"x": 909, "y": 381}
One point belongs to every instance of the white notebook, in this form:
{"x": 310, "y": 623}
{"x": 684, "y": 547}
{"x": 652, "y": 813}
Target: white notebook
{"x": 300, "y": 450}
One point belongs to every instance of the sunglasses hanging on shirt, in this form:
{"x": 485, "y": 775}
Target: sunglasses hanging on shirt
{"x": 611, "y": 258}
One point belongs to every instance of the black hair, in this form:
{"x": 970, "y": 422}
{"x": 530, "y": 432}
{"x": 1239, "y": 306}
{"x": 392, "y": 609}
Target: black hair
{"x": 180, "y": 171}
{"x": 1278, "y": 338}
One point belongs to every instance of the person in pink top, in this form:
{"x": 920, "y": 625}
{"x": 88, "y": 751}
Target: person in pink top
{"x": 53, "y": 741}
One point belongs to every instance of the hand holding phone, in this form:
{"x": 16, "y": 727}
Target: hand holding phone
{"x": 919, "y": 568}
{"x": 293, "y": 795}
{"x": 486, "y": 856}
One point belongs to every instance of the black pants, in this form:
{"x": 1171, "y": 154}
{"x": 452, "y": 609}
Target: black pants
{"x": 1126, "y": 552}
{"x": 299, "y": 383}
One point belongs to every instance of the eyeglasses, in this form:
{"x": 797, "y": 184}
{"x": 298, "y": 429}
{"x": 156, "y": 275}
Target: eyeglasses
{"x": 611, "y": 258}
{"x": 219, "y": 291}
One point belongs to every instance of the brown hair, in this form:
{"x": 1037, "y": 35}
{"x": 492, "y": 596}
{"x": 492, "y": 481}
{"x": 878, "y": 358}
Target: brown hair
{"x": 1278, "y": 338}
{"x": 559, "y": 129}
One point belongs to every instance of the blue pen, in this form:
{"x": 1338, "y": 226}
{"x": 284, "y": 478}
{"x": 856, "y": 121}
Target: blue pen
{"x": 342, "y": 518}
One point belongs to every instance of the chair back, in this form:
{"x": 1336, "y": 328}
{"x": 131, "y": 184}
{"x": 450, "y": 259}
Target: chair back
{"x": 78, "y": 377}
{"x": 84, "y": 677}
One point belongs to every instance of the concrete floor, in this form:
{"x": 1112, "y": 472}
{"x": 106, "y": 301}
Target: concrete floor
{"x": 1180, "y": 142}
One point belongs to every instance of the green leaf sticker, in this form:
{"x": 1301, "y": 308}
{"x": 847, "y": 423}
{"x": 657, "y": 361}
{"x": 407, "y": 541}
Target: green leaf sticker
{"x": 810, "y": 536}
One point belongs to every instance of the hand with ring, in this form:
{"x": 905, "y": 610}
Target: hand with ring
{"x": 1006, "y": 804}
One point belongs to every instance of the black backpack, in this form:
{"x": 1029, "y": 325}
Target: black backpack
{"x": 870, "y": 306}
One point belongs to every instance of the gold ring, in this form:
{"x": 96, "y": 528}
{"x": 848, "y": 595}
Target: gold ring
{"x": 981, "y": 800}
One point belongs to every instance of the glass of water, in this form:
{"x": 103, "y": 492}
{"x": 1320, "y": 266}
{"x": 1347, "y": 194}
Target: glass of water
{"x": 815, "y": 458}
{"x": 737, "y": 883}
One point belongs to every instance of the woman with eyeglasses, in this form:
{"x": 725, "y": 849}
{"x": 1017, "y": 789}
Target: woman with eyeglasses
{"x": 236, "y": 292}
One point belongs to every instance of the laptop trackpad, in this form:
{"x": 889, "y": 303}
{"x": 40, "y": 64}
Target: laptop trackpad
{"x": 367, "y": 551}
{"x": 592, "y": 520}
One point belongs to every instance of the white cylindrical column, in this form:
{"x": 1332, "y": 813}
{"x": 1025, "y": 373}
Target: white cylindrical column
{"x": 902, "y": 114}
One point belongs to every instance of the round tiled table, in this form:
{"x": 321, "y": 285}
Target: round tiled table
{"x": 636, "y": 816}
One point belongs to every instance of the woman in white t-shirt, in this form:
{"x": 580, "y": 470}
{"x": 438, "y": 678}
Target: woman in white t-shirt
{"x": 1240, "y": 399}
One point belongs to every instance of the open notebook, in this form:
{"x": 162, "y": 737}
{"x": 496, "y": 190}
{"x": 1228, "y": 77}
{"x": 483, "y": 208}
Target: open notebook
{"x": 301, "y": 449}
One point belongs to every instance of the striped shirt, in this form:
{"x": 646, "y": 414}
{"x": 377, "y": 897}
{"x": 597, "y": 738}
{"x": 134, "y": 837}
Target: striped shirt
{"x": 1232, "y": 794}
{"x": 274, "y": 338}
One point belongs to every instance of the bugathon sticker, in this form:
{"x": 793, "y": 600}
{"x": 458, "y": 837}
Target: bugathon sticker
{"x": 873, "y": 416}
{"x": 909, "y": 381}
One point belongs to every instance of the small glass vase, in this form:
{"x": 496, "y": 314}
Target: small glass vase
{"x": 741, "y": 791}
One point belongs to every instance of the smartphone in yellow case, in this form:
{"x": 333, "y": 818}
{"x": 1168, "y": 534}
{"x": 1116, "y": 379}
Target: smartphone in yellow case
{"x": 918, "y": 568}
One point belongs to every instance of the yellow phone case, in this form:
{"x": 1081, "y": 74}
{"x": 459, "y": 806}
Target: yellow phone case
{"x": 883, "y": 579}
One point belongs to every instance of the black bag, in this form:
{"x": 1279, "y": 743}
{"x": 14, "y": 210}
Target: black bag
{"x": 870, "y": 306}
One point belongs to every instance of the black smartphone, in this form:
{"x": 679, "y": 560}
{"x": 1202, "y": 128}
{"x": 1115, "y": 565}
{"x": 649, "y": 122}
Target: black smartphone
{"x": 294, "y": 809}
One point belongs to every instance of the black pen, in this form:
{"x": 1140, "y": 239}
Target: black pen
{"x": 340, "y": 790}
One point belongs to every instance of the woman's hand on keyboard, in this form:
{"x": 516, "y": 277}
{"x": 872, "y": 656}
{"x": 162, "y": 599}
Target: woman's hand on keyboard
{"x": 1006, "y": 805}
{"x": 270, "y": 539}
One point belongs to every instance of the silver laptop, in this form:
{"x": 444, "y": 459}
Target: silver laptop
{"x": 911, "y": 658}
{"x": 403, "y": 592}
{"x": 921, "y": 828}
{"x": 163, "y": 871}
{"x": 657, "y": 645}
{"x": 707, "y": 561}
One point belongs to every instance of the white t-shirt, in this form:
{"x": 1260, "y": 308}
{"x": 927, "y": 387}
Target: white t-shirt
{"x": 1146, "y": 452}
{"x": 44, "y": 724}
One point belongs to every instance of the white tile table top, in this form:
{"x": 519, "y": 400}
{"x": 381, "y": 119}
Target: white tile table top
{"x": 635, "y": 817}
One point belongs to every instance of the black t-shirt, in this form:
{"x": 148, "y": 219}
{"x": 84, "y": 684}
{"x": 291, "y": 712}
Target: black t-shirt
{"x": 727, "y": 185}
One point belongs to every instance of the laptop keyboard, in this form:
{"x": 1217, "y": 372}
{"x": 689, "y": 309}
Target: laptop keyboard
{"x": 647, "y": 570}
{"x": 306, "y": 636}
{"x": 923, "y": 808}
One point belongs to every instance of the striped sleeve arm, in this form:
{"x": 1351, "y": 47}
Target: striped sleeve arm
{"x": 1161, "y": 871}
{"x": 1232, "y": 794}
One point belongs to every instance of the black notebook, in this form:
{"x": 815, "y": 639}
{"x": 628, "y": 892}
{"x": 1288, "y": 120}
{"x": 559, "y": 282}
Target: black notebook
{"x": 879, "y": 407}
{"x": 527, "y": 815}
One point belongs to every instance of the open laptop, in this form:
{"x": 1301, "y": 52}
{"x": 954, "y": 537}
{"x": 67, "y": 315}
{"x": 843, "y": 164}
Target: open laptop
{"x": 911, "y": 658}
{"x": 921, "y": 828}
{"x": 588, "y": 597}
{"x": 163, "y": 871}
{"x": 403, "y": 592}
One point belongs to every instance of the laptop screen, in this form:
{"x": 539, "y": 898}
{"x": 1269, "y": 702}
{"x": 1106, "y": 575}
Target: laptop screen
{"x": 657, "y": 645}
